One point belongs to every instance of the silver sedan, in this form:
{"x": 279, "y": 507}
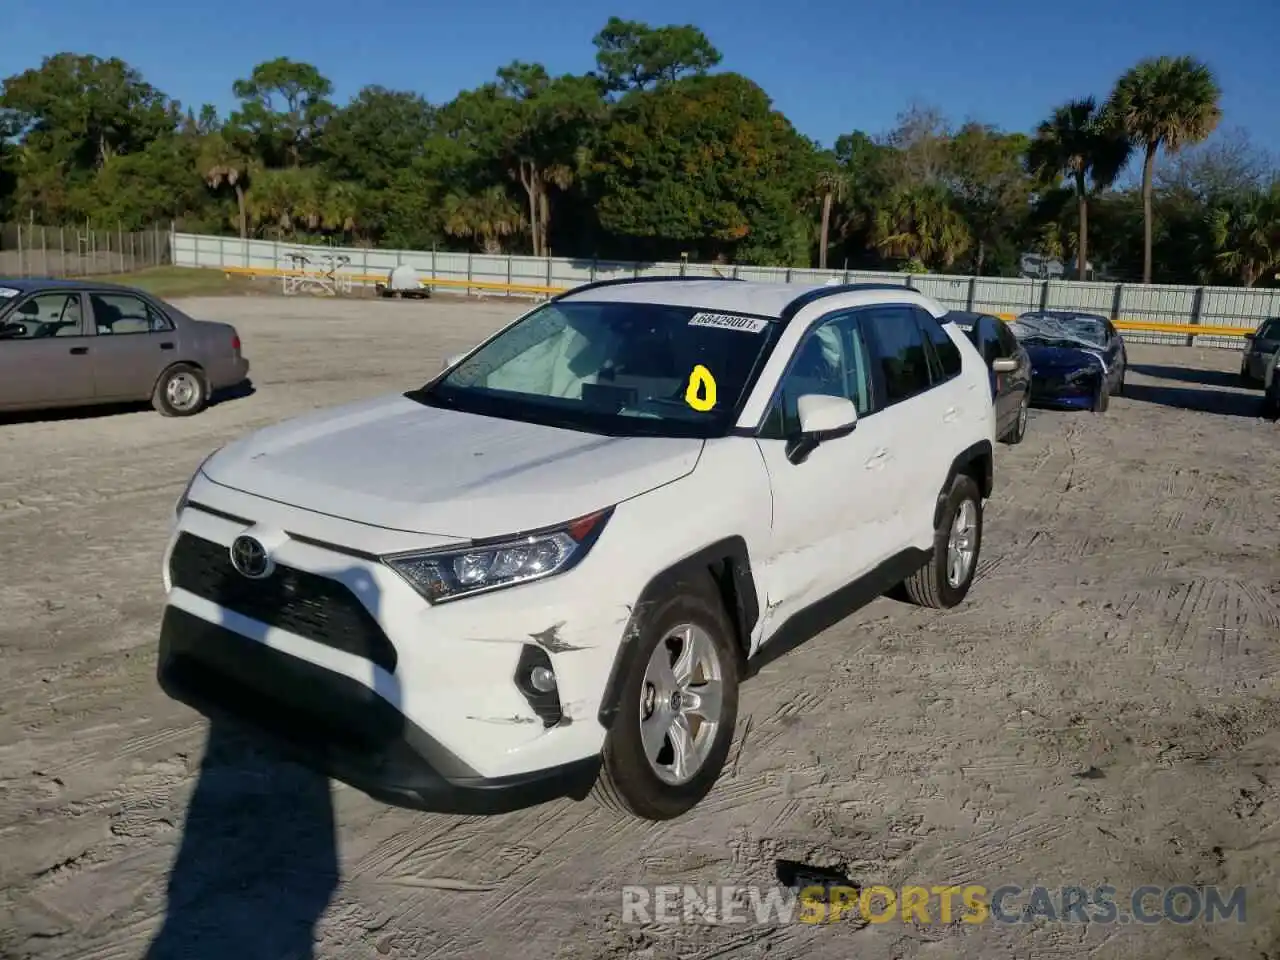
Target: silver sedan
{"x": 69, "y": 343}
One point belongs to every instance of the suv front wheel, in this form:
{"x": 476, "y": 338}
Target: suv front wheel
{"x": 677, "y": 709}
{"x": 944, "y": 581}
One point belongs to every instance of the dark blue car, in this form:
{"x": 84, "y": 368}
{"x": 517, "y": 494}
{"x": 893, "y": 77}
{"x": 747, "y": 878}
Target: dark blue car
{"x": 1078, "y": 359}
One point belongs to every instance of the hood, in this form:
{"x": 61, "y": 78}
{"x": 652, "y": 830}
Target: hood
{"x": 394, "y": 463}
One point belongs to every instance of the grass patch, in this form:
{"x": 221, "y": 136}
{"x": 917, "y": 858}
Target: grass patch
{"x": 184, "y": 282}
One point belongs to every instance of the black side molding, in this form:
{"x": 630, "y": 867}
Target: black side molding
{"x": 975, "y": 460}
{"x": 803, "y": 625}
{"x": 729, "y": 565}
{"x": 616, "y": 281}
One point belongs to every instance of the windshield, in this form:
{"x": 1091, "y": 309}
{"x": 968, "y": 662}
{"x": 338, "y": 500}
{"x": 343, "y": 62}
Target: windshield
{"x": 629, "y": 369}
{"x": 1067, "y": 330}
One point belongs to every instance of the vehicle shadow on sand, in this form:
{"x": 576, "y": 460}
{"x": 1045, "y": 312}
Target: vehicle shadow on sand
{"x": 1222, "y": 402}
{"x": 96, "y": 411}
{"x": 1205, "y": 378}
{"x": 258, "y": 861}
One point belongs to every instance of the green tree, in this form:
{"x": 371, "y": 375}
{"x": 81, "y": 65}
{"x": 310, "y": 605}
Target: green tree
{"x": 284, "y": 105}
{"x": 1245, "y": 234}
{"x": 986, "y": 173}
{"x": 225, "y": 160}
{"x": 633, "y": 56}
{"x": 921, "y": 223}
{"x": 379, "y": 133}
{"x": 706, "y": 166}
{"x": 1076, "y": 143}
{"x": 831, "y": 186}
{"x": 489, "y": 217}
{"x": 1167, "y": 102}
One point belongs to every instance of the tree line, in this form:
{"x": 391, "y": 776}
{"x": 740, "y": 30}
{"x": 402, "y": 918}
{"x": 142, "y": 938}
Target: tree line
{"x": 652, "y": 155}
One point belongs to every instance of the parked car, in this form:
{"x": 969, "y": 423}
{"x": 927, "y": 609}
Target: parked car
{"x": 1260, "y": 347}
{"x": 1271, "y": 387}
{"x": 1010, "y": 368}
{"x": 78, "y": 342}
{"x": 549, "y": 567}
{"x": 1078, "y": 360}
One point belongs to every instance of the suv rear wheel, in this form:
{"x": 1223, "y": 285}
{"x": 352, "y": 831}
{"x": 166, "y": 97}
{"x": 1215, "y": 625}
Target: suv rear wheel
{"x": 678, "y": 707}
{"x": 945, "y": 580}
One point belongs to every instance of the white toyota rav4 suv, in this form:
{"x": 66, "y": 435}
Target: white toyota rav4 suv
{"x": 548, "y": 569}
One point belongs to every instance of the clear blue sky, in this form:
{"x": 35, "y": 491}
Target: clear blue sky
{"x": 831, "y": 65}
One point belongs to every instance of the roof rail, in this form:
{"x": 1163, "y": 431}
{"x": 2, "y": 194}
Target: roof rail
{"x": 615, "y": 281}
{"x": 812, "y": 296}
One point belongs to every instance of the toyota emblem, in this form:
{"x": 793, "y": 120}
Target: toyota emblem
{"x": 250, "y": 559}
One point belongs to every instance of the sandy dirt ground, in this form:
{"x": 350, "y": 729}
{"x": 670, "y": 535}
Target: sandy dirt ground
{"x": 1103, "y": 709}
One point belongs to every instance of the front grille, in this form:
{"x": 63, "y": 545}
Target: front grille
{"x": 312, "y": 606}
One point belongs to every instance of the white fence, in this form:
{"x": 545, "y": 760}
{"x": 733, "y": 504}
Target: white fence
{"x": 1233, "y": 308}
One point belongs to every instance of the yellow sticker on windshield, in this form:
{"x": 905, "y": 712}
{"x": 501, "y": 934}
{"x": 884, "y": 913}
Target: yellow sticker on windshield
{"x": 701, "y": 394}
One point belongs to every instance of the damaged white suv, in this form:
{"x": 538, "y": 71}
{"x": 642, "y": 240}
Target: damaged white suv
{"x": 549, "y": 568}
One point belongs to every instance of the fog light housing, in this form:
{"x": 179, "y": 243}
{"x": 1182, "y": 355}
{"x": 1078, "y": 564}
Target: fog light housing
{"x": 536, "y": 680}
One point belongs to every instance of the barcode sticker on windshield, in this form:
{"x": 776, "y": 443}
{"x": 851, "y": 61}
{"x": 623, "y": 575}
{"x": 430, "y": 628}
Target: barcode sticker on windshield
{"x": 728, "y": 321}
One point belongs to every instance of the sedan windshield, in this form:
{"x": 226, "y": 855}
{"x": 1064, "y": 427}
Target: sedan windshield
{"x": 622, "y": 369}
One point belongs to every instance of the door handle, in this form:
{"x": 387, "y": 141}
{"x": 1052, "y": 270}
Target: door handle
{"x": 950, "y": 415}
{"x": 167, "y": 345}
{"x": 79, "y": 351}
{"x": 877, "y": 460}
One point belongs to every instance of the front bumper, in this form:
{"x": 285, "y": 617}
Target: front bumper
{"x": 1059, "y": 392}
{"x": 337, "y": 725}
{"x": 449, "y": 671}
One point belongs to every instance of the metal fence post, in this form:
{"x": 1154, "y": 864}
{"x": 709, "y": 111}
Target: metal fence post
{"x": 973, "y": 293}
{"x": 509, "y": 266}
{"x": 1197, "y": 306}
{"x": 469, "y": 255}
{"x": 62, "y": 249}
{"x": 22, "y": 272}
{"x": 44, "y": 253}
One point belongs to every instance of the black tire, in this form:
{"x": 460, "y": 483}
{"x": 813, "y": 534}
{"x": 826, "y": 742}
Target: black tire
{"x": 628, "y": 783}
{"x": 181, "y": 391}
{"x": 1120, "y": 384}
{"x": 929, "y": 586}
{"x": 1019, "y": 429}
{"x": 1102, "y": 399}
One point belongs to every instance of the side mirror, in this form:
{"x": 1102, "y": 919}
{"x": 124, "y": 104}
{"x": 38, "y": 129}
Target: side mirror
{"x": 11, "y": 331}
{"x": 1004, "y": 364}
{"x": 452, "y": 361}
{"x": 822, "y": 418}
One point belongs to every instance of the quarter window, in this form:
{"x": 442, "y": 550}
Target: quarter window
{"x": 120, "y": 313}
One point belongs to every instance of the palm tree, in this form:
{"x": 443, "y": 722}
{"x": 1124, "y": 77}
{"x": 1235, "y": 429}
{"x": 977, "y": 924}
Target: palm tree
{"x": 221, "y": 163}
{"x": 1165, "y": 102}
{"x": 832, "y": 186}
{"x": 489, "y": 217}
{"x": 919, "y": 223}
{"x": 1245, "y": 234}
{"x": 1076, "y": 143}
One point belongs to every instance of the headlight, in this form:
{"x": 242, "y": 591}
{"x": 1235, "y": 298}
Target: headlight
{"x": 443, "y": 575}
{"x": 186, "y": 491}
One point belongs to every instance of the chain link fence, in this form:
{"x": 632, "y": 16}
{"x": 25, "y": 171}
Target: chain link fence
{"x": 33, "y": 250}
